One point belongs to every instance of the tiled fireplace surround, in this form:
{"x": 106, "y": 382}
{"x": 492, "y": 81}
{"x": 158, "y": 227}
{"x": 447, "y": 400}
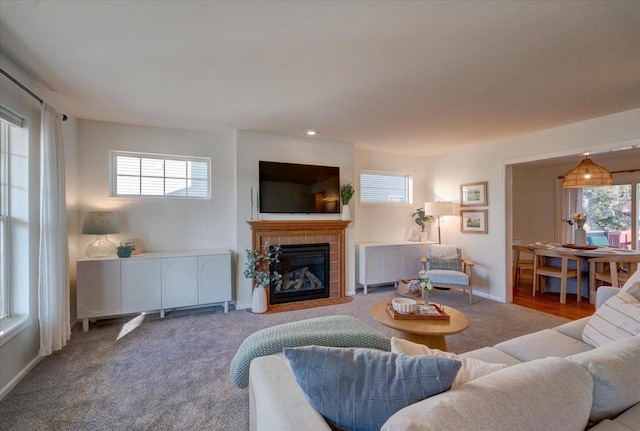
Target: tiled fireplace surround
{"x": 307, "y": 232}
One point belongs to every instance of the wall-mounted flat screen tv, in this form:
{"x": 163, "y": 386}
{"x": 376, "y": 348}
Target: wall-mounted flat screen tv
{"x": 295, "y": 188}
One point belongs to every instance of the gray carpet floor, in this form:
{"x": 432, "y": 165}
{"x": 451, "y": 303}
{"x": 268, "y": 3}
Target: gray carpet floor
{"x": 143, "y": 372}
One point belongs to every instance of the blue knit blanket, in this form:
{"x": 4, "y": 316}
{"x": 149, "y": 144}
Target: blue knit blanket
{"x": 332, "y": 331}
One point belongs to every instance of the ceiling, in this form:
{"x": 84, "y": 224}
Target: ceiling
{"x": 405, "y": 77}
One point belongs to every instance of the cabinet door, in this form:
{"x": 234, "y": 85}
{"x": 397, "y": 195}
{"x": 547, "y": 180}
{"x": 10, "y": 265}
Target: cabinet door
{"x": 394, "y": 263}
{"x": 375, "y": 265}
{"x": 214, "y": 278}
{"x": 411, "y": 265}
{"x": 179, "y": 282}
{"x": 98, "y": 287}
{"x": 140, "y": 285}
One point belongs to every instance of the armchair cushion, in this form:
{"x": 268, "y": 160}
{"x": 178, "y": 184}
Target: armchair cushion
{"x": 444, "y": 276}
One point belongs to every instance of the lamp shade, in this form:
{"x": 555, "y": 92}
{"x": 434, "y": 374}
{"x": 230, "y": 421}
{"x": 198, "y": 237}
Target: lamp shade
{"x": 438, "y": 208}
{"x": 100, "y": 223}
{"x": 587, "y": 174}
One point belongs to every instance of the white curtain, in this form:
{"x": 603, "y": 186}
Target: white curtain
{"x": 568, "y": 201}
{"x": 53, "y": 279}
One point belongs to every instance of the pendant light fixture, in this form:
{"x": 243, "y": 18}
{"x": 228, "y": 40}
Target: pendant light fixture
{"x": 587, "y": 174}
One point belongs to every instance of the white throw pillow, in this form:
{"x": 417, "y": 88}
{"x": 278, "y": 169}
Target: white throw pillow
{"x": 632, "y": 288}
{"x": 618, "y": 317}
{"x": 471, "y": 368}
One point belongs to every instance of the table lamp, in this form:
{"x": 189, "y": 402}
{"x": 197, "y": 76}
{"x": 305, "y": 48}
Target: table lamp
{"x": 100, "y": 223}
{"x": 438, "y": 209}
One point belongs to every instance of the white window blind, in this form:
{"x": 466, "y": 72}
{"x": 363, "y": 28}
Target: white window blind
{"x": 385, "y": 187}
{"x": 157, "y": 175}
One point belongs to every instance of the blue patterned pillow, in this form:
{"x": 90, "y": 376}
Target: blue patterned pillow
{"x": 359, "y": 389}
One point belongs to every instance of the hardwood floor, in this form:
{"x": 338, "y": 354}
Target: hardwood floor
{"x": 549, "y": 302}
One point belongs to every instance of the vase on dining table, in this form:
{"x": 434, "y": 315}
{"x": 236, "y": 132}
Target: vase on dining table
{"x": 580, "y": 237}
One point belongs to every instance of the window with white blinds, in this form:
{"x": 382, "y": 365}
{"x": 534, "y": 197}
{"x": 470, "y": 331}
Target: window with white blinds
{"x": 385, "y": 187}
{"x": 159, "y": 175}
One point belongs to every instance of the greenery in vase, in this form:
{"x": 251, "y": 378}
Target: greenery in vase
{"x": 126, "y": 247}
{"x": 258, "y": 260}
{"x": 421, "y": 218}
{"x": 425, "y": 285}
{"x": 346, "y": 193}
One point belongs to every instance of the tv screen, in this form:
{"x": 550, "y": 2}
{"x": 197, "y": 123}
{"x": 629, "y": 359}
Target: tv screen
{"x": 295, "y": 188}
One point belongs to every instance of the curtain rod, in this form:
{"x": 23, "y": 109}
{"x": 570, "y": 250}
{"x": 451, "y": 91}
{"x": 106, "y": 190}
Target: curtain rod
{"x": 31, "y": 93}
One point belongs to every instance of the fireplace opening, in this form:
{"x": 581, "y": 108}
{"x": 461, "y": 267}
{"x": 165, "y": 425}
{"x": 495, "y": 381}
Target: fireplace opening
{"x": 305, "y": 273}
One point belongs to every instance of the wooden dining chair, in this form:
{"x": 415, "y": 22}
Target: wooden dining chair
{"x": 614, "y": 270}
{"x": 519, "y": 263}
{"x": 541, "y": 268}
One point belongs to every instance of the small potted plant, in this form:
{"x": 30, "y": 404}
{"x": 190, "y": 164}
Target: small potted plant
{"x": 346, "y": 193}
{"x": 257, "y": 269}
{"x": 124, "y": 250}
{"x": 421, "y": 220}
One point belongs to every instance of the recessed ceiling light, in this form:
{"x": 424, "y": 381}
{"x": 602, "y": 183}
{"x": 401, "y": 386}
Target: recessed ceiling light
{"x": 311, "y": 132}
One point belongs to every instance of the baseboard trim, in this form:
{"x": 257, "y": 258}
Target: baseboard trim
{"x": 13, "y": 382}
{"x": 486, "y": 295}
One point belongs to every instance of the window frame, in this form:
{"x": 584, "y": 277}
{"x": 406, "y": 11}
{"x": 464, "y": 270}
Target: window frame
{"x": 632, "y": 179}
{"x": 113, "y": 173}
{"x": 408, "y": 188}
{"x": 5, "y": 294}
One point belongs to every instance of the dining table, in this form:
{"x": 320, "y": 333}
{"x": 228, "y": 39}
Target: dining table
{"x": 586, "y": 252}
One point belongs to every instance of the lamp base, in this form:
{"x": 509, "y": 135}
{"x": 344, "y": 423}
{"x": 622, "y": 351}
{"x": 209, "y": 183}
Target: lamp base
{"x": 101, "y": 247}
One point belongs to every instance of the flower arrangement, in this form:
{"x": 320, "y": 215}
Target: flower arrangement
{"x": 257, "y": 261}
{"x": 425, "y": 285}
{"x": 346, "y": 193}
{"x": 578, "y": 219}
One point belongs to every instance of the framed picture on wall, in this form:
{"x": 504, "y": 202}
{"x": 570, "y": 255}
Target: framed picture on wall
{"x": 474, "y": 195}
{"x": 473, "y": 221}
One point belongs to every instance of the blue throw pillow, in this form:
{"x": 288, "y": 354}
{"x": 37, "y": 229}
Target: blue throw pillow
{"x": 359, "y": 389}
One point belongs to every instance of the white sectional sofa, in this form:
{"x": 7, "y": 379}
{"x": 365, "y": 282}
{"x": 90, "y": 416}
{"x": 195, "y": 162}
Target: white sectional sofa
{"x": 553, "y": 381}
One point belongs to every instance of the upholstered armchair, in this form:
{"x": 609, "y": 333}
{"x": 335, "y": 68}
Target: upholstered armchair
{"x": 446, "y": 268}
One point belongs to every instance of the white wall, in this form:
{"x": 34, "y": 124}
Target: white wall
{"x": 20, "y": 353}
{"x": 390, "y": 222}
{"x": 253, "y": 147}
{"x": 163, "y": 224}
{"x": 445, "y": 173}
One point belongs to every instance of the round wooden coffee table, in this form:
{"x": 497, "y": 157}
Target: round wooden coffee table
{"x": 428, "y": 332}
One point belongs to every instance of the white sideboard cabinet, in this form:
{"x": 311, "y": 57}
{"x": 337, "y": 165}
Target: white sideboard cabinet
{"x": 152, "y": 281}
{"x": 386, "y": 262}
